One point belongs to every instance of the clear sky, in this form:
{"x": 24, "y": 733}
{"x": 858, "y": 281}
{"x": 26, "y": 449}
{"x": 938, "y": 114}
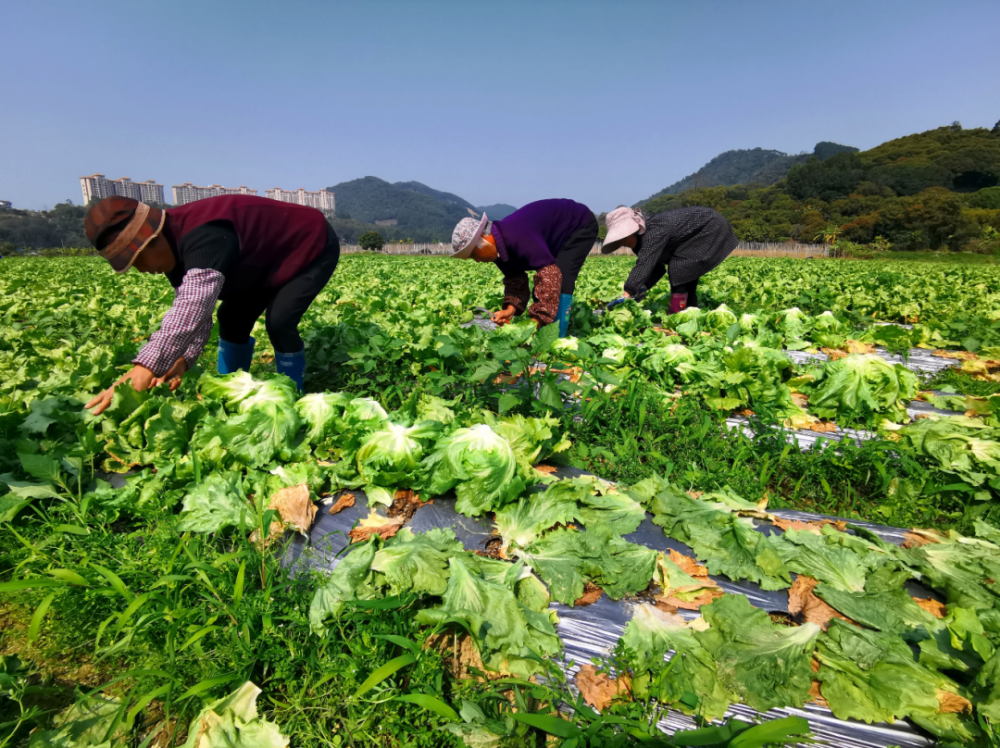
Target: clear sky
{"x": 505, "y": 101}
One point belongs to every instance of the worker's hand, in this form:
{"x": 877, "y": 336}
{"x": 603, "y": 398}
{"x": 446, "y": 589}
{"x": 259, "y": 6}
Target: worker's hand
{"x": 173, "y": 377}
{"x": 616, "y": 302}
{"x": 138, "y": 376}
{"x": 504, "y": 316}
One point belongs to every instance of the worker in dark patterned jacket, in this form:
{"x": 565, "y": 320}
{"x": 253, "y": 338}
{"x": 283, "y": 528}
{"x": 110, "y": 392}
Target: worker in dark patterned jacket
{"x": 682, "y": 244}
{"x": 551, "y": 237}
{"x": 258, "y": 256}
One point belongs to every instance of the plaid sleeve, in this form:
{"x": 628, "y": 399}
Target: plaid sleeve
{"x": 548, "y": 283}
{"x": 187, "y": 325}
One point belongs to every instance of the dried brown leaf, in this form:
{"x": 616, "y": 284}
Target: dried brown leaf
{"x": 695, "y": 494}
{"x": 917, "y": 537}
{"x": 295, "y": 507}
{"x": 707, "y": 595}
{"x": 804, "y": 603}
{"x": 600, "y": 689}
{"x": 345, "y": 501}
{"x": 932, "y": 606}
{"x": 276, "y": 531}
{"x": 688, "y": 565}
{"x": 800, "y": 400}
{"x": 375, "y": 524}
{"x": 815, "y": 527}
{"x": 591, "y": 594}
{"x": 405, "y": 504}
{"x": 547, "y": 469}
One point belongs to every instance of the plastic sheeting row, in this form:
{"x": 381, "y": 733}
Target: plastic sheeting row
{"x": 592, "y": 631}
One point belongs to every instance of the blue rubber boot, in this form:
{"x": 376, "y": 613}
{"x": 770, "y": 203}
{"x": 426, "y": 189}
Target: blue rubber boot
{"x": 292, "y": 365}
{"x": 562, "y": 316}
{"x": 235, "y": 356}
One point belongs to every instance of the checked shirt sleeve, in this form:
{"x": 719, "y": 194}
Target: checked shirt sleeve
{"x": 187, "y": 325}
{"x": 650, "y": 257}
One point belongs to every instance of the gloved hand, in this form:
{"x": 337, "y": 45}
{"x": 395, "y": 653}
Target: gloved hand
{"x": 616, "y": 302}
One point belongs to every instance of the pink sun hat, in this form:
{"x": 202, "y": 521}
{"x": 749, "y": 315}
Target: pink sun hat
{"x": 622, "y": 222}
{"x": 466, "y": 236}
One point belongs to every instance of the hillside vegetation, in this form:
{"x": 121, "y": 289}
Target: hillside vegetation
{"x": 758, "y": 166}
{"x": 933, "y": 190}
{"x": 420, "y": 212}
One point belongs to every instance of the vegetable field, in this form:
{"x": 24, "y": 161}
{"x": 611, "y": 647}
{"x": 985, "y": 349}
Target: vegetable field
{"x": 146, "y": 597}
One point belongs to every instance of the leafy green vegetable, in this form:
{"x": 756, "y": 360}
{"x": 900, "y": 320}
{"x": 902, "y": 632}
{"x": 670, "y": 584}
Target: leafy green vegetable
{"x": 479, "y": 464}
{"x": 766, "y": 664}
{"x": 863, "y": 384}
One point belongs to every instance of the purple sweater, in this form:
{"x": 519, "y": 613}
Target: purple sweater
{"x": 530, "y": 238}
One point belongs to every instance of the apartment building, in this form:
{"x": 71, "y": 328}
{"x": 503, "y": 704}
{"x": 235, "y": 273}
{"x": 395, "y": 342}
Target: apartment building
{"x": 97, "y": 187}
{"x": 188, "y": 193}
{"x": 323, "y": 200}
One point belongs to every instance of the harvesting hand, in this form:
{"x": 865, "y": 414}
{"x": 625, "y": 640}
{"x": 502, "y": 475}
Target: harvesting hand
{"x": 620, "y": 300}
{"x": 173, "y": 377}
{"x": 140, "y": 378}
{"x": 503, "y": 316}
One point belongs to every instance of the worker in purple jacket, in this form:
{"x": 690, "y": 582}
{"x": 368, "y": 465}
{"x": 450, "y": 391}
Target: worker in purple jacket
{"x": 551, "y": 237}
{"x": 255, "y": 255}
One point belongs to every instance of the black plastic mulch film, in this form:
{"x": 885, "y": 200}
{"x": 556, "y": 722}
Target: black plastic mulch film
{"x": 593, "y": 630}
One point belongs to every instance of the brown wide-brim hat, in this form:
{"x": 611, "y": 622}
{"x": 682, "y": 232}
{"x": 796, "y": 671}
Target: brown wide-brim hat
{"x": 130, "y": 226}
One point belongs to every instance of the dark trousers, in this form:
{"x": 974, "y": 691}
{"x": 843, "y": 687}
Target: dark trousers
{"x": 691, "y": 289}
{"x": 283, "y": 307}
{"x": 573, "y": 253}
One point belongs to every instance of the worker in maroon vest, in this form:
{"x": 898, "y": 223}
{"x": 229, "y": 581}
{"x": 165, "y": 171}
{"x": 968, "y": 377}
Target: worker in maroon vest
{"x": 254, "y": 254}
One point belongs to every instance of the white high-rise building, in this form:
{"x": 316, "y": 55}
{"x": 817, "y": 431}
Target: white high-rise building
{"x": 188, "y": 193}
{"x": 323, "y": 199}
{"x": 98, "y": 187}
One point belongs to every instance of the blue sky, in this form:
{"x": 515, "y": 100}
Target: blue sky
{"x": 506, "y": 101}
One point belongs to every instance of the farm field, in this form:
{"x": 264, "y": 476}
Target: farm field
{"x": 141, "y": 575}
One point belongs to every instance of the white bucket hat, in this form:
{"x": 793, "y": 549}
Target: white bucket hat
{"x": 465, "y": 237}
{"x": 622, "y": 222}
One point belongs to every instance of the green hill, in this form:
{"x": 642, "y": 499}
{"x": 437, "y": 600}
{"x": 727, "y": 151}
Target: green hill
{"x": 748, "y": 166}
{"x": 496, "y": 212}
{"x": 925, "y": 191}
{"x": 419, "y": 212}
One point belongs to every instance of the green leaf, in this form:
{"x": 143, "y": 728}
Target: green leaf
{"x": 546, "y": 723}
{"x": 507, "y": 402}
{"x": 10, "y": 506}
{"x": 36, "y": 618}
{"x": 430, "y": 703}
{"x": 384, "y": 672}
{"x": 544, "y": 338}
{"x": 70, "y": 576}
{"x": 238, "y": 586}
{"x": 401, "y": 641}
{"x": 548, "y": 394}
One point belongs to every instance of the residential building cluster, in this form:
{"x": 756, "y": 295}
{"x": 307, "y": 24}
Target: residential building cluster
{"x": 6, "y": 204}
{"x": 322, "y": 199}
{"x": 188, "y": 193}
{"x": 97, "y": 187}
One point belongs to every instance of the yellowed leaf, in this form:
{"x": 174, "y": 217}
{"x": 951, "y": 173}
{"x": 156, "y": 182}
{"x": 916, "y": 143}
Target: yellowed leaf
{"x": 932, "y": 606}
{"x": 952, "y": 703}
{"x": 814, "y": 527}
{"x": 547, "y": 469}
{"x": 917, "y": 537}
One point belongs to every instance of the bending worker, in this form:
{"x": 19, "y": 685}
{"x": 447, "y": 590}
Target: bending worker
{"x": 683, "y": 244}
{"x": 256, "y": 255}
{"x": 551, "y": 237}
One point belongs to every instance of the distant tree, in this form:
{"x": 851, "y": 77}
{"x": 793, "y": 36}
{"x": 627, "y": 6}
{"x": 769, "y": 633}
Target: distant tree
{"x": 371, "y": 241}
{"x": 996, "y": 128}
{"x": 956, "y": 126}
{"x": 825, "y": 149}
{"x": 835, "y": 178}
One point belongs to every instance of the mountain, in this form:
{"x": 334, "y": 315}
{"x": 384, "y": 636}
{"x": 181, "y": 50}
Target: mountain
{"x": 749, "y": 166}
{"x": 496, "y": 212}
{"x": 931, "y": 190}
{"x": 419, "y": 212}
